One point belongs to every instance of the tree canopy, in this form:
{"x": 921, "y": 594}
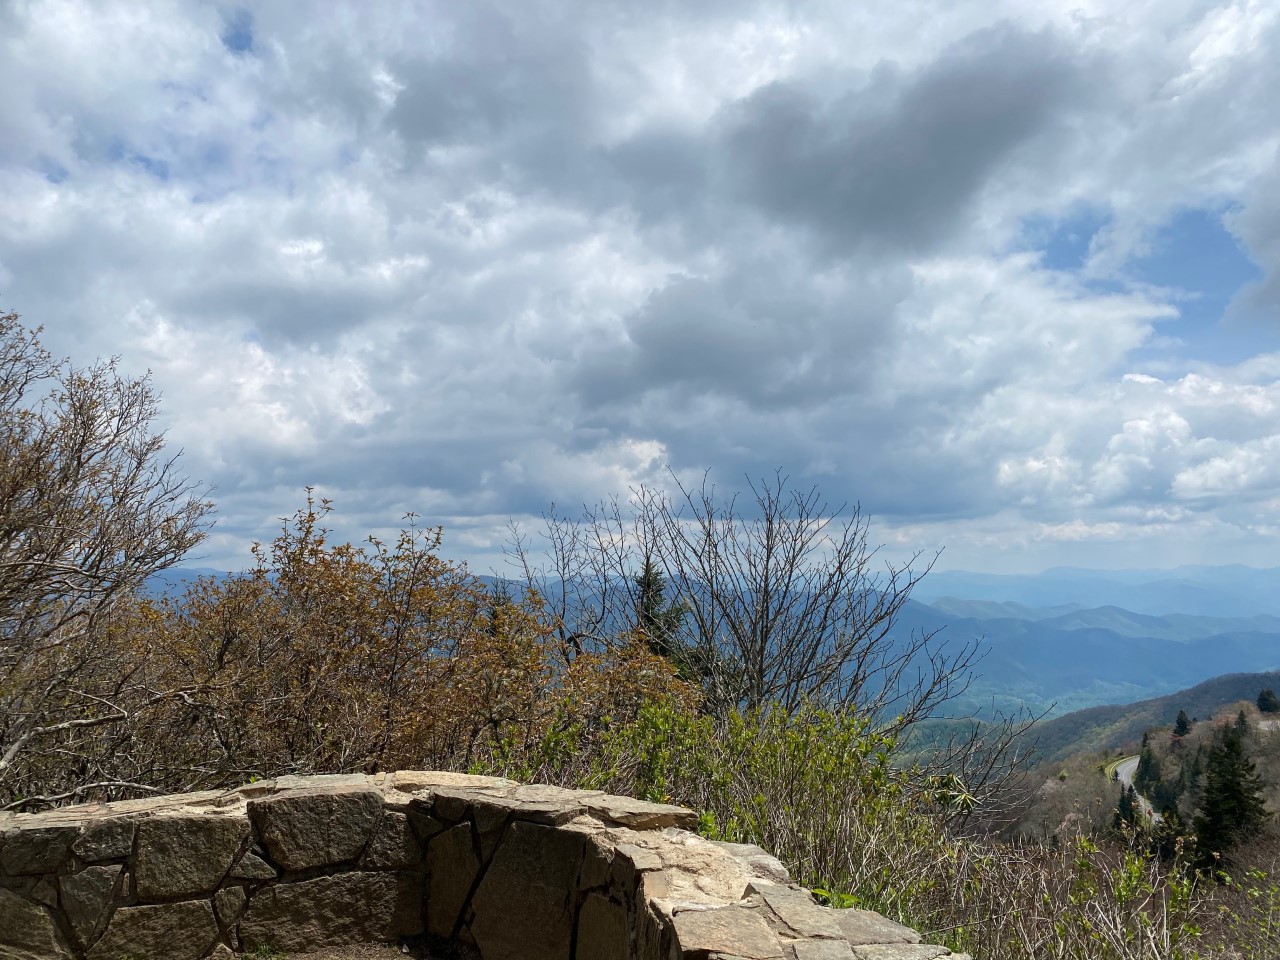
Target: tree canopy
{"x": 1231, "y": 806}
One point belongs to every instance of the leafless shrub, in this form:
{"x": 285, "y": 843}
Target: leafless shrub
{"x": 90, "y": 506}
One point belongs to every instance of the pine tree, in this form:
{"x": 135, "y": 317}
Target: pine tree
{"x": 1168, "y": 835}
{"x": 1148, "y": 773}
{"x": 1268, "y": 702}
{"x": 1183, "y": 725}
{"x": 1128, "y": 810}
{"x": 656, "y": 619}
{"x": 1231, "y": 808}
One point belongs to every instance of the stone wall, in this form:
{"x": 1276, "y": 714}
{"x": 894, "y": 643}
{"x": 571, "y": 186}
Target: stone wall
{"x": 512, "y": 871}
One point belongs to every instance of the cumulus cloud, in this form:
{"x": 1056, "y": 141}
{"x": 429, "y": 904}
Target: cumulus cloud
{"x": 469, "y": 260}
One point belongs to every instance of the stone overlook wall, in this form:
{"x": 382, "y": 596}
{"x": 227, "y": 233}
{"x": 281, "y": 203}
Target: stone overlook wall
{"x": 510, "y": 871}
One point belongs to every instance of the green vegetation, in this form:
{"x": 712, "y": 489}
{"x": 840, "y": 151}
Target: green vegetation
{"x": 1101, "y": 729}
{"x": 1231, "y": 808}
{"x": 739, "y": 662}
{"x": 1182, "y": 726}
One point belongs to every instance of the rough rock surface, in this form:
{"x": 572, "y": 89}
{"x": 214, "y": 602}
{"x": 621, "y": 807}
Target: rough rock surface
{"x": 346, "y": 908}
{"x": 179, "y": 931}
{"x": 304, "y": 828}
{"x": 27, "y": 930}
{"x": 86, "y": 898}
{"x": 337, "y": 863}
{"x": 180, "y": 856}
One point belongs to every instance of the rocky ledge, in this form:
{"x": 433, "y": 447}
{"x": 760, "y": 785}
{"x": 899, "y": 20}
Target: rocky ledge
{"x": 514, "y": 871}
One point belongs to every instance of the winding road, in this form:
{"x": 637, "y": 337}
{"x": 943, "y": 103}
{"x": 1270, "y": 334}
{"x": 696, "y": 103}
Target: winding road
{"x": 1124, "y": 771}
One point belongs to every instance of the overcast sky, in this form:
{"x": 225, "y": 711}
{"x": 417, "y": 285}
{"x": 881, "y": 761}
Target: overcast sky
{"x": 1007, "y": 273}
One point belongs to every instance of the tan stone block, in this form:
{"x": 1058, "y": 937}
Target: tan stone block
{"x": 323, "y": 782}
{"x": 166, "y": 931}
{"x": 331, "y": 911}
{"x": 307, "y": 828}
{"x": 523, "y": 906}
{"x": 603, "y": 931}
{"x": 86, "y": 897}
{"x": 794, "y": 914}
{"x": 28, "y": 931}
{"x": 453, "y": 803}
{"x": 182, "y": 855}
{"x": 561, "y": 796}
{"x": 900, "y": 951}
{"x": 737, "y": 931}
{"x": 639, "y": 814}
{"x": 868, "y": 927}
{"x": 822, "y": 950}
{"x": 763, "y": 864}
{"x": 629, "y": 862}
{"x": 452, "y": 866}
{"x": 413, "y": 781}
{"x": 653, "y": 886}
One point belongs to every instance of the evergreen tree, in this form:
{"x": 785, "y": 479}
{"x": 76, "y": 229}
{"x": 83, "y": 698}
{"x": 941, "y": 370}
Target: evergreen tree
{"x": 1268, "y": 702}
{"x": 1168, "y": 835}
{"x": 1231, "y": 808}
{"x": 1148, "y": 773}
{"x": 658, "y": 620}
{"x": 1183, "y": 725}
{"x": 1128, "y": 810}
{"x": 1191, "y": 782}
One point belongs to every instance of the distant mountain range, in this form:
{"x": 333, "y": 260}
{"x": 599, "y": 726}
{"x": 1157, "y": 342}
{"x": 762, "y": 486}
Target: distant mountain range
{"x": 1226, "y": 591}
{"x": 175, "y": 580}
{"x": 1070, "y": 638}
{"x": 1059, "y": 662}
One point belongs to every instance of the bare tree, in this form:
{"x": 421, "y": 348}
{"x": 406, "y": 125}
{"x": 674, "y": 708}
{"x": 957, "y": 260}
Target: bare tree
{"x": 90, "y": 506}
{"x": 782, "y": 598}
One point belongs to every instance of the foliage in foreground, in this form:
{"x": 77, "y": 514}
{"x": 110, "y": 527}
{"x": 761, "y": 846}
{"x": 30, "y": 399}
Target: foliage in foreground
{"x": 820, "y": 790}
{"x": 331, "y": 658}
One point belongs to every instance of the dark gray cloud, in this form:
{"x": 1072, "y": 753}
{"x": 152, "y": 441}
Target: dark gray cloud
{"x": 765, "y": 333}
{"x": 897, "y": 161}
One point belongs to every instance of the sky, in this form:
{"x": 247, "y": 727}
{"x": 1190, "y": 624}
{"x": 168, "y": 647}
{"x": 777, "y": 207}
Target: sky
{"x": 1006, "y": 274}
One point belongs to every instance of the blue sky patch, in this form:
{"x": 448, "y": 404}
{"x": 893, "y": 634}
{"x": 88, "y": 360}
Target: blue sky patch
{"x": 237, "y": 34}
{"x": 1196, "y": 256}
{"x": 1066, "y": 244}
{"x": 53, "y": 171}
{"x": 157, "y": 168}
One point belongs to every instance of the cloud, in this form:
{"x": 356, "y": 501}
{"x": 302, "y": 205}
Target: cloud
{"x": 896, "y": 161}
{"x": 472, "y": 259}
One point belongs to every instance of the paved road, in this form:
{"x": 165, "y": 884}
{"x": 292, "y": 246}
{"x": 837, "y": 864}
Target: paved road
{"x": 1125, "y": 770}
